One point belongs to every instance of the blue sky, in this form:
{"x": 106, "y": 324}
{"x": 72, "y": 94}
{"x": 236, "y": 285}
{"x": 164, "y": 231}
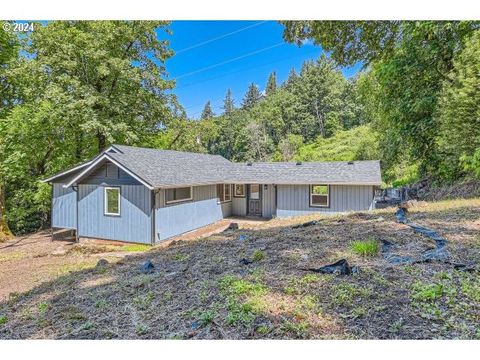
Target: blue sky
{"x": 212, "y": 56}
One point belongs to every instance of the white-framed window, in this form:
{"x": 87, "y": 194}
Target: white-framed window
{"x": 178, "y": 194}
{"x": 239, "y": 190}
{"x": 112, "y": 201}
{"x": 224, "y": 192}
{"x": 320, "y": 195}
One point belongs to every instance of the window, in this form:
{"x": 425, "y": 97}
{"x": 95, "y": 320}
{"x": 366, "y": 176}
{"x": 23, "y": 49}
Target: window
{"x": 239, "y": 190}
{"x": 112, "y": 201}
{"x": 254, "y": 192}
{"x": 320, "y": 195}
{"x": 178, "y": 195}
{"x": 224, "y": 192}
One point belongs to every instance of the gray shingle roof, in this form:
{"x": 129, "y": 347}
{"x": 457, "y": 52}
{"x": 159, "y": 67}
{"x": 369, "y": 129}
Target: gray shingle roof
{"x": 168, "y": 168}
{"x": 165, "y": 168}
{"x": 334, "y": 172}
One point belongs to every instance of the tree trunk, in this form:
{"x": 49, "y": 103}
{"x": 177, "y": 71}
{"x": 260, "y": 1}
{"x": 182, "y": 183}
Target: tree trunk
{"x": 5, "y": 232}
{"x": 102, "y": 142}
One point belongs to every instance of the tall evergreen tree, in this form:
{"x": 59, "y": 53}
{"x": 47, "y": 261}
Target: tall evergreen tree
{"x": 271, "y": 84}
{"x": 228, "y": 103}
{"x": 292, "y": 77}
{"x": 252, "y": 97}
{"x": 207, "y": 112}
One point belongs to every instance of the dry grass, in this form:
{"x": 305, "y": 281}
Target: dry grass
{"x": 200, "y": 290}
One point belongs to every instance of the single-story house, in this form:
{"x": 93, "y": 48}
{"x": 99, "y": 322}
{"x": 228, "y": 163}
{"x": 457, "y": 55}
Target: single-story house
{"x": 146, "y": 195}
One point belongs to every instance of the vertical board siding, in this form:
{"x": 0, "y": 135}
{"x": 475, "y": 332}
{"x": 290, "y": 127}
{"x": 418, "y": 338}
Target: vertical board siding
{"x": 64, "y": 207}
{"x": 268, "y": 201}
{"x": 133, "y": 224}
{"x": 110, "y": 174}
{"x": 178, "y": 218}
{"x": 294, "y": 200}
{"x": 239, "y": 206}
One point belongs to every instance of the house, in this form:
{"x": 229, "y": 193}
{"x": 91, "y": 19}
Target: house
{"x": 146, "y": 195}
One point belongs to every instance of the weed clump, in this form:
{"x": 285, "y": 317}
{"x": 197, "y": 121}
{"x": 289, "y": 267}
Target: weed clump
{"x": 365, "y": 248}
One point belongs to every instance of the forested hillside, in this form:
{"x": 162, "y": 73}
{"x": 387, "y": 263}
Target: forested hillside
{"x": 69, "y": 89}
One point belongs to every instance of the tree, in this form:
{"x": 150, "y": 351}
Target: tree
{"x": 409, "y": 61}
{"x": 8, "y": 52}
{"x": 289, "y": 146}
{"x": 272, "y": 84}
{"x": 207, "y": 112}
{"x": 292, "y": 78}
{"x": 252, "y": 97}
{"x": 459, "y": 114}
{"x": 228, "y": 103}
{"x": 101, "y": 81}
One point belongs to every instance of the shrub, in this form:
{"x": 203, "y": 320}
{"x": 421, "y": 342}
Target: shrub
{"x": 365, "y": 248}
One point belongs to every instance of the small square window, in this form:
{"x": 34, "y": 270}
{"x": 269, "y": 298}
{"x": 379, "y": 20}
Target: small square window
{"x": 112, "y": 201}
{"x": 320, "y": 195}
{"x": 239, "y": 190}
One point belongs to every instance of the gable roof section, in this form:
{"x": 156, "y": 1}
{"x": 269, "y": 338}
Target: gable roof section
{"x": 167, "y": 168}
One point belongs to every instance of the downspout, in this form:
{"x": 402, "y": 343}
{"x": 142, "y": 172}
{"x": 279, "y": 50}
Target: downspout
{"x": 153, "y": 216}
{"x": 77, "y": 235}
{"x": 51, "y": 210}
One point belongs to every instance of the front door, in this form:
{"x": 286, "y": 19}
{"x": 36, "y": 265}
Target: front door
{"x": 254, "y": 200}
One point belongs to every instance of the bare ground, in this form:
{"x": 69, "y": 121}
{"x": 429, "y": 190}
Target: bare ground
{"x": 200, "y": 290}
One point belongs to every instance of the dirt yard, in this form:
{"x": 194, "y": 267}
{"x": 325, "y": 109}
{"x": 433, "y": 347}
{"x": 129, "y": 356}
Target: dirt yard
{"x": 200, "y": 289}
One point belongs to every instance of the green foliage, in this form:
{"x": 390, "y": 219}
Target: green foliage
{"x": 459, "y": 114}
{"x": 410, "y": 90}
{"x": 365, "y": 248}
{"x": 344, "y": 293}
{"x": 207, "y": 112}
{"x": 101, "y": 81}
{"x": 427, "y": 292}
{"x": 359, "y": 143}
{"x": 271, "y": 84}
{"x": 3, "y": 319}
{"x": 252, "y": 97}
{"x": 135, "y": 248}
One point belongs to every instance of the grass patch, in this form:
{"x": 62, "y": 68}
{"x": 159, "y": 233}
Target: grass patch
{"x": 298, "y": 330}
{"x": 11, "y": 256}
{"x": 344, "y": 293}
{"x": 258, "y": 255}
{"x": 135, "y": 248}
{"x": 181, "y": 257}
{"x": 3, "y": 319}
{"x": 368, "y": 247}
{"x": 143, "y": 302}
{"x": 426, "y": 292}
{"x": 244, "y": 299}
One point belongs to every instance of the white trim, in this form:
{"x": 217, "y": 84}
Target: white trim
{"x": 66, "y": 172}
{"x": 105, "y": 205}
{"x": 180, "y": 200}
{"x": 327, "y": 195}
{"x": 105, "y": 156}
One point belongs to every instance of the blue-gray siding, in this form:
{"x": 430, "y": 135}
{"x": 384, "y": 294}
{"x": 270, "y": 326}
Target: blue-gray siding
{"x": 134, "y": 223}
{"x": 64, "y": 207}
{"x": 268, "y": 201}
{"x": 295, "y": 199}
{"x": 178, "y": 218}
{"x": 239, "y": 206}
